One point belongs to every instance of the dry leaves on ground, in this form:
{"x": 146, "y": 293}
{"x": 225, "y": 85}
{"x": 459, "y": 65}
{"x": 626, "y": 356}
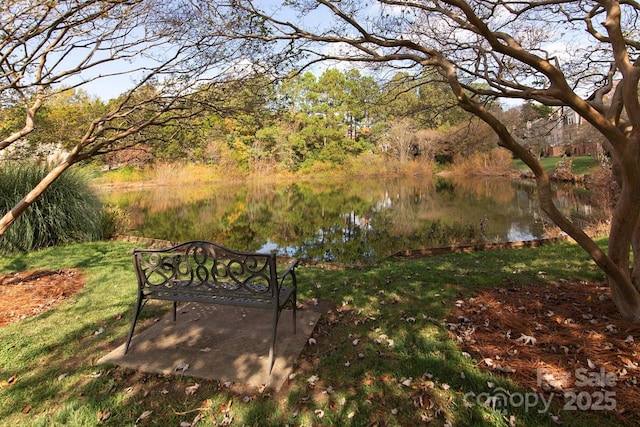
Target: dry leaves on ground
{"x": 555, "y": 338}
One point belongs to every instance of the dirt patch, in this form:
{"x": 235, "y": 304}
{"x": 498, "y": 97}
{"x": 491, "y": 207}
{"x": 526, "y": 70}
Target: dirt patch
{"x": 567, "y": 339}
{"x": 28, "y": 293}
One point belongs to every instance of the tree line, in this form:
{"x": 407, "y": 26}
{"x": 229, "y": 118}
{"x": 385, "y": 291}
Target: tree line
{"x": 298, "y": 122}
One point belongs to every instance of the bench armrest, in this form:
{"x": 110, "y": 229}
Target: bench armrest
{"x": 290, "y": 270}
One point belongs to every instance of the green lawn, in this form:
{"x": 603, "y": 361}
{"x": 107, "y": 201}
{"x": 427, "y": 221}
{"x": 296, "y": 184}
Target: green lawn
{"x": 581, "y": 165}
{"x": 352, "y": 376}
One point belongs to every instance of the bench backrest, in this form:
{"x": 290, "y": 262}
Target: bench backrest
{"x": 201, "y": 266}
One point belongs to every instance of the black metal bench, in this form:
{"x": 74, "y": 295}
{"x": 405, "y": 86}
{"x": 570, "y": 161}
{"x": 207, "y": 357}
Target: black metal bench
{"x": 205, "y": 272}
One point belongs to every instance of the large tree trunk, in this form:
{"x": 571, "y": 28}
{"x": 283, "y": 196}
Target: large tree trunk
{"x": 623, "y": 292}
{"x": 635, "y": 273}
{"x": 616, "y": 266}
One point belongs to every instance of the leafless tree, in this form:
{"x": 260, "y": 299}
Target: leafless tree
{"x": 578, "y": 54}
{"x": 401, "y": 140}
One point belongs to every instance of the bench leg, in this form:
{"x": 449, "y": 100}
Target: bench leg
{"x": 276, "y": 314}
{"x": 294, "y": 302}
{"x": 133, "y": 324}
{"x": 175, "y": 308}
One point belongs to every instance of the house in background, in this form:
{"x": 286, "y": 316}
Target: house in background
{"x": 564, "y": 132}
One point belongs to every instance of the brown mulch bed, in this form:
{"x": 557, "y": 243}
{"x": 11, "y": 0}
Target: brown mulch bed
{"x": 555, "y": 338}
{"x": 28, "y": 293}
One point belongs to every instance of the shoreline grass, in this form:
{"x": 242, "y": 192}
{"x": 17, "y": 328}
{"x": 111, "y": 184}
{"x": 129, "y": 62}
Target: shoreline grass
{"x": 191, "y": 173}
{"x": 382, "y": 346}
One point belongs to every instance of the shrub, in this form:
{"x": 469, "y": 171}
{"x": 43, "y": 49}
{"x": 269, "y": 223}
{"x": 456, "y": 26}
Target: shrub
{"x": 68, "y": 211}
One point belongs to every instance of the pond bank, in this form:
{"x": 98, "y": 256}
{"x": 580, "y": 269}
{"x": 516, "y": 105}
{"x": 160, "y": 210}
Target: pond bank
{"x": 409, "y": 253}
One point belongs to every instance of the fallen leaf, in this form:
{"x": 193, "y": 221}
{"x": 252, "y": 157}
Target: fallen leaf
{"x": 311, "y": 381}
{"x": 12, "y": 380}
{"x": 104, "y": 415}
{"x": 26, "y": 409}
{"x": 526, "y": 339}
{"x": 144, "y": 416}
{"x": 191, "y": 390}
{"x": 227, "y": 420}
{"x": 506, "y": 369}
{"x": 181, "y": 367}
{"x": 196, "y": 420}
{"x": 381, "y": 338}
{"x": 225, "y": 407}
{"x": 386, "y": 378}
{"x": 628, "y": 363}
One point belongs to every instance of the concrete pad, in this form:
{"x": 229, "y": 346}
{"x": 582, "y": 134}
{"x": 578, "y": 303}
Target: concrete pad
{"x": 219, "y": 343}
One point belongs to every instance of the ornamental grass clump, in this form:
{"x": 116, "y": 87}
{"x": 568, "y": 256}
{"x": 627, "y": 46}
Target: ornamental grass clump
{"x": 68, "y": 211}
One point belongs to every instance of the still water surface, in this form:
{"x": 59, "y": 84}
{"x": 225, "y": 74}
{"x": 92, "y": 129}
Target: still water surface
{"x": 348, "y": 221}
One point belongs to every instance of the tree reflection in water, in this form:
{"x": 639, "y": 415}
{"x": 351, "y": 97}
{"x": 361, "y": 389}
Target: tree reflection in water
{"x": 352, "y": 221}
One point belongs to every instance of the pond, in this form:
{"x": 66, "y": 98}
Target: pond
{"x": 351, "y": 221}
